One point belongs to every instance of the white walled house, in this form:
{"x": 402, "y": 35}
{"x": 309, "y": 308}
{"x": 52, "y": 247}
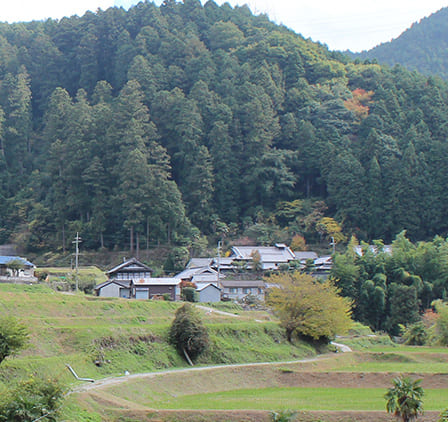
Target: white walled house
{"x": 239, "y": 289}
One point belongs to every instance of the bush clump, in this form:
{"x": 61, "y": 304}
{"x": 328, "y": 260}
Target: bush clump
{"x": 187, "y": 332}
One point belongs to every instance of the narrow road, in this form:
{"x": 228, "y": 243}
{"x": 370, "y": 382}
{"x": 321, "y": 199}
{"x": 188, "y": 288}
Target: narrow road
{"x": 105, "y": 382}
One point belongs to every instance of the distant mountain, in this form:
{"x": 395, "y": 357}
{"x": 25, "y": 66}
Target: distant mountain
{"x": 423, "y": 47}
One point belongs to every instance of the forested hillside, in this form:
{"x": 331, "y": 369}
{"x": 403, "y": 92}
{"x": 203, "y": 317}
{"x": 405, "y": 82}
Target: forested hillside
{"x": 175, "y": 121}
{"x": 423, "y": 47}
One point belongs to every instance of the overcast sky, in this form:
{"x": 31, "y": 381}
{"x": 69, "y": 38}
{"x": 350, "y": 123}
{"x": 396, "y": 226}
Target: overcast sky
{"x": 343, "y": 25}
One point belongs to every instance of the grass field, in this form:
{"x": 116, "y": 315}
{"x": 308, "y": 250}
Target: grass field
{"x": 100, "y": 337}
{"x": 336, "y": 383}
{"x": 334, "y": 399}
{"x": 105, "y": 337}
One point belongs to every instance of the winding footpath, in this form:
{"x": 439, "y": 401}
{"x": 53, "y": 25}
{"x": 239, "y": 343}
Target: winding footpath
{"x": 106, "y": 382}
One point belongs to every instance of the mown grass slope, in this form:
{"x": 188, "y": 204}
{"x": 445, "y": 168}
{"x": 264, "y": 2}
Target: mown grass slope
{"x": 336, "y": 384}
{"x": 100, "y": 337}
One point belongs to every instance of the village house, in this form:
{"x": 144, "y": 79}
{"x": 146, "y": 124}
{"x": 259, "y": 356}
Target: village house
{"x": 305, "y": 256}
{"x": 156, "y": 288}
{"x": 199, "y": 275}
{"x": 130, "y": 269}
{"x": 16, "y": 267}
{"x": 271, "y": 257}
{"x": 240, "y": 289}
{"x": 359, "y": 249}
{"x": 132, "y": 280}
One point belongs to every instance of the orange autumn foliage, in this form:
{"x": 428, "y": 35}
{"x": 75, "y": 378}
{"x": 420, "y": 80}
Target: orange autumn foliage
{"x": 359, "y": 103}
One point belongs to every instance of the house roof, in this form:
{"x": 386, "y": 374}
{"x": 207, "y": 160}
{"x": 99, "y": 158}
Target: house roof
{"x": 131, "y": 265}
{"x": 305, "y": 255}
{"x": 242, "y": 283}
{"x": 202, "y": 286}
{"x": 199, "y": 262}
{"x": 121, "y": 283}
{"x": 190, "y": 272}
{"x": 322, "y": 260}
{"x": 161, "y": 281}
{"x": 277, "y": 253}
{"x": 4, "y": 260}
{"x": 222, "y": 261}
{"x": 207, "y": 278}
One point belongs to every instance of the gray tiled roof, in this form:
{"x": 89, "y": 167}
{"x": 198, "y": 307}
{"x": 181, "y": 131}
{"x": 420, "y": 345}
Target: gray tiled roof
{"x": 242, "y": 283}
{"x": 130, "y": 265}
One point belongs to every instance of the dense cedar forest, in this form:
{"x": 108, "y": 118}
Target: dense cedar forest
{"x": 422, "y": 47}
{"x": 165, "y": 124}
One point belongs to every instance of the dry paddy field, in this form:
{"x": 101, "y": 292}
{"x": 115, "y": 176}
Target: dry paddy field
{"x": 338, "y": 387}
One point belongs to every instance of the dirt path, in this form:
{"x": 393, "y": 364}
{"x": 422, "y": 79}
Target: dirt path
{"x": 216, "y": 311}
{"x": 105, "y": 382}
{"x": 342, "y": 347}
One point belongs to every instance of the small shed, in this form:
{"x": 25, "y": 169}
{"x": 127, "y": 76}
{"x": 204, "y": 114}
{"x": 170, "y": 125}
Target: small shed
{"x": 114, "y": 288}
{"x": 208, "y": 292}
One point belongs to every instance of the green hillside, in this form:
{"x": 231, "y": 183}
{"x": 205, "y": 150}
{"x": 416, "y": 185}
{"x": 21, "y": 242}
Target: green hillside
{"x": 162, "y": 125}
{"x": 423, "y": 47}
{"x": 100, "y": 337}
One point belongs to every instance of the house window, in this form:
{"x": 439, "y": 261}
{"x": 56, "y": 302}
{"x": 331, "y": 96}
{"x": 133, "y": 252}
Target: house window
{"x": 233, "y": 290}
{"x": 246, "y": 291}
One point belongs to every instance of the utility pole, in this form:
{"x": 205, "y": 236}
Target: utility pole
{"x": 219, "y": 259}
{"x": 77, "y": 241}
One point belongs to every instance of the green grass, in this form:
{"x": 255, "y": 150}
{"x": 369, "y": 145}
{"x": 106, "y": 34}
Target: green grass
{"x": 125, "y": 335}
{"x": 405, "y": 367}
{"x": 84, "y": 271}
{"x": 336, "y": 399}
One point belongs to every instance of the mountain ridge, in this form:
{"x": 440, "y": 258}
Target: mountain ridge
{"x": 422, "y": 47}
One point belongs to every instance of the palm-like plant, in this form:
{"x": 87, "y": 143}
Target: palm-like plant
{"x": 404, "y": 399}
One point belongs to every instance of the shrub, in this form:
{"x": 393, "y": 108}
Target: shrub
{"x": 441, "y": 322}
{"x": 13, "y": 336}
{"x": 415, "y": 334}
{"x": 283, "y": 416}
{"x": 190, "y": 294}
{"x": 443, "y": 416}
{"x": 30, "y": 400}
{"x": 187, "y": 333}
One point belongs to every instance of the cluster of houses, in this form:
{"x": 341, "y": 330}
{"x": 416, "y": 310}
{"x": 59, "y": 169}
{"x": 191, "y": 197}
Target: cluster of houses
{"x": 214, "y": 278}
{"x": 233, "y": 277}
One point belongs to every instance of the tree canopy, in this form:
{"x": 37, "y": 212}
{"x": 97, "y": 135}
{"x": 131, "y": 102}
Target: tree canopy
{"x": 394, "y": 286}
{"x": 144, "y": 126}
{"x": 309, "y": 307}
